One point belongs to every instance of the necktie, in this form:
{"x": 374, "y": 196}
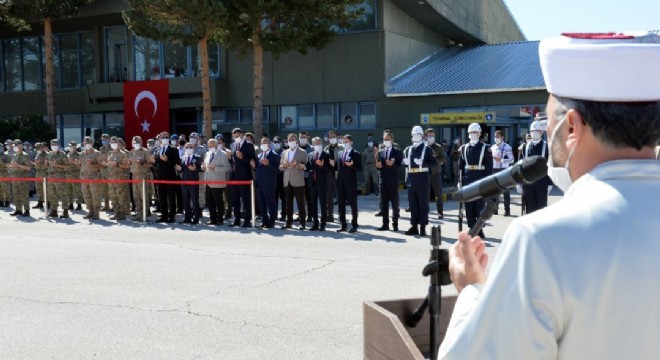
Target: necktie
{"x": 212, "y": 156}
{"x": 387, "y": 154}
{"x": 188, "y": 162}
{"x": 345, "y": 156}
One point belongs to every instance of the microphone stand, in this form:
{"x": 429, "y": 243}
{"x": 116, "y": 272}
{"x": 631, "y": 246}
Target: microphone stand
{"x": 486, "y": 214}
{"x": 438, "y": 270}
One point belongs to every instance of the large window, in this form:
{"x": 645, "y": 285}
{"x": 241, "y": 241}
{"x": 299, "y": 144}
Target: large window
{"x": 306, "y": 117}
{"x": 13, "y": 72}
{"x": 156, "y": 60}
{"x": 349, "y": 115}
{"x": 93, "y": 126}
{"x": 176, "y": 60}
{"x": 289, "y": 117}
{"x": 367, "y": 115}
{"x": 114, "y": 124}
{"x": 87, "y": 61}
{"x": 71, "y": 129}
{"x": 69, "y": 61}
{"x": 325, "y": 116}
{"x": 147, "y": 59}
{"x": 116, "y": 54}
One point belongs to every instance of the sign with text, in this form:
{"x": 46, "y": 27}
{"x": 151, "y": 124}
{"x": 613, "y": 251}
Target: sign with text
{"x": 457, "y": 118}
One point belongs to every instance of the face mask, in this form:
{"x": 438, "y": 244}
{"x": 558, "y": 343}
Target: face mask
{"x": 40, "y": 152}
{"x": 536, "y": 136}
{"x": 137, "y": 146}
{"x": 212, "y": 149}
{"x": 264, "y": 147}
{"x": 474, "y": 138}
{"x": 387, "y": 143}
{"x": 150, "y": 147}
{"x": 318, "y": 148}
{"x": 193, "y": 141}
{"x": 277, "y": 146}
{"x": 347, "y": 146}
{"x": 15, "y": 148}
{"x": 104, "y": 142}
{"x": 560, "y": 176}
{"x": 114, "y": 146}
{"x": 173, "y": 142}
{"x": 8, "y": 147}
{"x": 325, "y": 138}
{"x": 340, "y": 142}
{"x": 292, "y": 144}
{"x": 417, "y": 138}
{"x": 164, "y": 143}
{"x": 431, "y": 140}
{"x": 190, "y": 151}
{"x": 156, "y": 142}
{"x": 55, "y": 147}
{"x": 303, "y": 141}
{"x": 88, "y": 146}
{"x": 333, "y": 141}
{"x": 370, "y": 144}
{"x": 498, "y": 141}
{"x": 237, "y": 139}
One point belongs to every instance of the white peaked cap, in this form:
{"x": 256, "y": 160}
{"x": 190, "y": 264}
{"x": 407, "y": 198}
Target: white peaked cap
{"x": 610, "y": 67}
{"x": 417, "y": 130}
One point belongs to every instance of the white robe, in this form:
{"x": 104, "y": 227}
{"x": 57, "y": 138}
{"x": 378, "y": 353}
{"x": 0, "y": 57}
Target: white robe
{"x": 577, "y": 280}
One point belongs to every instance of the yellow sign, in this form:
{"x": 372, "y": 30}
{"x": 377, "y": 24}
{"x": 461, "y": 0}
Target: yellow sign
{"x": 457, "y": 118}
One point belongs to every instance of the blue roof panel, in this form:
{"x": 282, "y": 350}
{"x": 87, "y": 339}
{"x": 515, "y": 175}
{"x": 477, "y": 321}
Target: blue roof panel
{"x": 486, "y": 68}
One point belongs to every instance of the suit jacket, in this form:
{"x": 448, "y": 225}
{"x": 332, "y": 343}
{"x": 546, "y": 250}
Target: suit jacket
{"x": 186, "y": 173}
{"x": 242, "y": 170}
{"x": 389, "y": 175}
{"x": 349, "y": 173}
{"x": 294, "y": 176}
{"x": 165, "y": 169}
{"x": 266, "y": 175}
{"x": 322, "y": 172}
{"x": 221, "y": 170}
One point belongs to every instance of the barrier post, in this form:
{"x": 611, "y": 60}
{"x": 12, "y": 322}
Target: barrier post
{"x": 144, "y": 200}
{"x": 45, "y": 185}
{"x": 253, "y": 198}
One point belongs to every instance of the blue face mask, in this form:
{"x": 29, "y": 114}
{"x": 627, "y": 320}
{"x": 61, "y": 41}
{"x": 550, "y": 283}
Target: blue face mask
{"x": 104, "y": 142}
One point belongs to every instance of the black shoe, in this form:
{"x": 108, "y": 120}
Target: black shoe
{"x": 482, "y": 235}
{"x": 286, "y": 226}
{"x": 195, "y": 222}
{"x": 246, "y": 224}
{"x": 353, "y": 230}
{"x": 314, "y": 227}
{"x": 16, "y": 213}
{"x": 71, "y": 206}
{"x": 408, "y": 210}
{"x": 322, "y": 228}
{"x": 186, "y": 221}
{"x": 65, "y": 214}
{"x": 507, "y": 213}
{"x": 422, "y": 230}
{"x": 161, "y": 220}
{"x": 79, "y": 207}
{"x": 384, "y": 228}
{"x": 395, "y": 227}
{"x": 26, "y": 213}
{"x": 342, "y": 229}
{"x": 302, "y": 228}
{"x": 441, "y": 216}
{"x": 412, "y": 231}
{"x": 380, "y": 213}
{"x": 211, "y": 222}
{"x": 235, "y": 224}
{"x": 40, "y": 205}
{"x": 53, "y": 213}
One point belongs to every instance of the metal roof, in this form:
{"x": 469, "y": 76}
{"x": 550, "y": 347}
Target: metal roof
{"x": 481, "y": 69}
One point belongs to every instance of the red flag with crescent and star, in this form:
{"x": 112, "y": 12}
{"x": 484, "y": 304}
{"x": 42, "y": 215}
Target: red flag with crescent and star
{"x": 146, "y": 109}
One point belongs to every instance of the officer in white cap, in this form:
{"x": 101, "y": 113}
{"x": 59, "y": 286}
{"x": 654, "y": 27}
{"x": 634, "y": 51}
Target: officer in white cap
{"x": 418, "y": 158}
{"x": 578, "y": 279}
{"x": 536, "y": 194}
{"x": 475, "y": 163}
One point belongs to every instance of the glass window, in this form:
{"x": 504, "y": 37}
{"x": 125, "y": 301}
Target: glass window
{"x": 116, "y": 54}
{"x": 71, "y": 129}
{"x": 87, "y": 58}
{"x": 306, "y": 116}
{"x": 31, "y": 63}
{"x": 217, "y": 119}
{"x": 176, "y": 60}
{"x": 289, "y": 118}
{"x": 69, "y": 61}
{"x": 367, "y": 115}
{"x": 325, "y": 116}
{"x": 93, "y": 126}
{"x": 246, "y": 115}
{"x": 214, "y": 61}
{"x": 114, "y": 124}
{"x": 12, "y": 49}
{"x": 348, "y": 115}
{"x": 233, "y": 115}
{"x": 147, "y": 59}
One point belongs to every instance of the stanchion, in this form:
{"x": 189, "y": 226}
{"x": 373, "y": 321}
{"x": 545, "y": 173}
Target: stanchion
{"x": 254, "y": 202}
{"x": 144, "y": 200}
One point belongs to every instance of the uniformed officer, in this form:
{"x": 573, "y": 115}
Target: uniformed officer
{"x": 436, "y": 170}
{"x": 5, "y": 186}
{"x": 141, "y": 161}
{"x": 90, "y": 169}
{"x": 57, "y": 191}
{"x": 41, "y": 171}
{"x": 371, "y": 175}
{"x": 475, "y": 164}
{"x": 118, "y": 165}
{"x": 418, "y": 159}
{"x": 73, "y": 172}
{"x": 536, "y": 194}
{"x": 20, "y": 168}
{"x": 105, "y": 188}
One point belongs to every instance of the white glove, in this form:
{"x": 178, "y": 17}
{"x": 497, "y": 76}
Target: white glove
{"x": 549, "y": 188}
{"x": 519, "y": 189}
{"x": 418, "y": 161}
{"x": 406, "y": 161}
{"x": 459, "y": 186}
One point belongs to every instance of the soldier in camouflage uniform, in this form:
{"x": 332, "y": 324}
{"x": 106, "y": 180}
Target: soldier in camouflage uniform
{"x": 141, "y": 161}
{"x": 20, "y": 168}
{"x": 105, "y": 188}
{"x": 90, "y": 170}
{"x": 118, "y": 164}
{"x": 5, "y": 186}
{"x": 57, "y": 191}
{"x": 73, "y": 172}
{"x": 41, "y": 171}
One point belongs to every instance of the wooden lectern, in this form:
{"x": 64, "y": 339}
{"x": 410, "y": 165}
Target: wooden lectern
{"x": 386, "y": 337}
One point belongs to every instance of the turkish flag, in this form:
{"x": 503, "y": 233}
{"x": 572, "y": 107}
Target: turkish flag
{"x": 146, "y": 109}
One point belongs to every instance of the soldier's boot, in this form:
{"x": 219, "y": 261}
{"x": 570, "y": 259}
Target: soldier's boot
{"x": 65, "y": 214}
{"x": 16, "y": 213}
{"x": 412, "y": 231}
{"x": 26, "y": 213}
{"x": 53, "y": 214}
{"x": 422, "y": 230}
{"x": 79, "y": 207}
{"x": 71, "y": 206}
{"x": 40, "y": 205}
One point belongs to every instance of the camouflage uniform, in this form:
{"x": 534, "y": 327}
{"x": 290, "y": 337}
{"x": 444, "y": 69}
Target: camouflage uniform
{"x": 57, "y": 191}
{"x": 140, "y": 168}
{"x": 73, "y": 172}
{"x": 105, "y": 188}
{"x": 117, "y": 165}
{"x": 89, "y": 170}
{"x": 21, "y": 189}
{"x": 5, "y": 186}
{"x": 41, "y": 171}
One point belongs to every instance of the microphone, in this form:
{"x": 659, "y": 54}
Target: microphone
{"x": 525, "y": 172}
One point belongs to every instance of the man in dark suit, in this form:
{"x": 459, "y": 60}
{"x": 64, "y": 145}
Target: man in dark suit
{"x": 388, "y": 162}
{"x": 318, "y": 162}
{"x": 166, "y": 160}
{"x": 267, "y": 168}
{"x": 349, "y": 165}
{"x": 189, "y": 168}
{"x": 242, "y": 154}
{"x": 279, "y": 149}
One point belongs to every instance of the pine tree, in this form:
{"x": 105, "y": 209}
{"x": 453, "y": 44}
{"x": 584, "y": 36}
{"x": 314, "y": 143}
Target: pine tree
{"x": 280, "y": 26}
{"x": 185, "y": 22}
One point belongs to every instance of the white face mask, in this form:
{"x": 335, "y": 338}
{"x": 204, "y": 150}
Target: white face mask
{"x": 536, "y": 135}
{"x": 190, "y": 151}
{"x": 325, "y": 138}
{"x": 498, "y": 141}
{"x": 560, "y": 176}
{"x": 264, "y": 147}
{"x": 370, "y": 144}
{"x": 417, "y": 138}
{"x": 156, "y": 142}
{"x": 277, "y": 146}
{"x": 173, "y": 142}
{"x": 292, "y": 145}
{"x": 347, "y": 146}
{"x": 8, "y": 147}
{"x": 431, "y": 140}
{"x": 193, "y": 141}
{"x": 15, "y": 148}
{"x": 212, "y": 149}
{"x": 387, "y": 143}
{"x": 318, "y": 148}
{"x": 137, "y": 146}
{"x": 164, "y": 143}
{"x": 303, "y": 141}
{"x": 114, "y": 146}
{"x": 40, "y": 152}
{"x": 333, "y": 141}
{"x": 55, "y": 147}
{"x": 72, "y": 149}
{"x": 88, "y": 146}
{"x": 474, "y": 138}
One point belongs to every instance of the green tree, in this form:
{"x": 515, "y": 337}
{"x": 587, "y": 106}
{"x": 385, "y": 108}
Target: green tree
{"x": 280, "y": 26}
{"x": 45, "y": 12}
{"x": 31, "y": 128}
{"x": 185, "y": 22}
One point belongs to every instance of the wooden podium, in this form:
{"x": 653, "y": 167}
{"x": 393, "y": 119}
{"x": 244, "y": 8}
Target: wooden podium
{"x": 386, "y": 337}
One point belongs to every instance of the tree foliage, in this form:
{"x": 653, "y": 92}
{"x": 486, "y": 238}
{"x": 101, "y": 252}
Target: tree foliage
{"x": 31, "y": 128}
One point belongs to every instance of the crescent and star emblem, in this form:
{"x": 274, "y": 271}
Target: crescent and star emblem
{"x": 148, "y": 95}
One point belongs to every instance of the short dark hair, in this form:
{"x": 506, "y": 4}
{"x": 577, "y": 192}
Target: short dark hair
{"x": 619, "y": 124}
{"x": 429, "y": 130}
{"x": 303, "y": 133}
{"x": 499, "y": 132}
